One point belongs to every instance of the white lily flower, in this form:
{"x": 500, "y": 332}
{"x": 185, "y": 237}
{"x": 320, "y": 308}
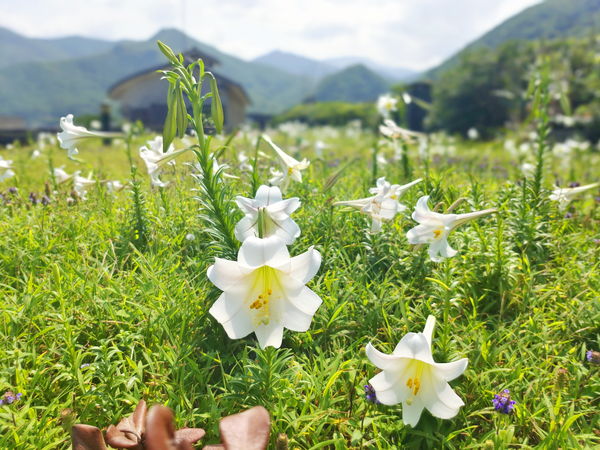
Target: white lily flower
{"x": 114, "y": 186}
{"x": 391, "y": 130}
{"x": 564, "y": 196}
{"x": 473, "y": 134}
{"x": 291, "y": 168}
{"x": 244, "y": 162}
{"x": 82, "y": 184}
{"x": 264, "y": 291}
{"x": 434, "y": 228}
{"x": 71, "y": 135}
{"x": 267, "y": 215}
{"x": 410, "y": 376}
{"x": 386, "y": 104}
{"x": 527, "y": 169}
{"x": 6, "y": 171}
{"x": 60, "y": 175}
{"x": 155, "y": 159}
{"x": 384, "y": 205}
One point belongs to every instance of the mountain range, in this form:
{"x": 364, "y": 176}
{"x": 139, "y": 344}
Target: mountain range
{"x": 43, "y": 79}
{"x": 317, "y": 69}
{"x": 550, "y": 19}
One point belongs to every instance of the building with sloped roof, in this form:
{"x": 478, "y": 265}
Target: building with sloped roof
{"x": 143, "y": 96}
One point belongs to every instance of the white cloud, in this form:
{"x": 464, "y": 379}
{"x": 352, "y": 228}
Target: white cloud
{"x": 406, "y": 33}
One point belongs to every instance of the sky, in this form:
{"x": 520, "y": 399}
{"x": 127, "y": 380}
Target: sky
{"x": 415, "y": 34}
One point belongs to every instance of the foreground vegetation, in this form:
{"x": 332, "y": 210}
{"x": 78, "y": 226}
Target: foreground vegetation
{"x": 93, "y": 319}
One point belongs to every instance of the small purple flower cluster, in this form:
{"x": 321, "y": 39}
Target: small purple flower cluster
{"x": 370, "y": 394}
{"x": 9, "y": 398}
{"x": 593, "y": 357}
{"x": 503, "y": 403}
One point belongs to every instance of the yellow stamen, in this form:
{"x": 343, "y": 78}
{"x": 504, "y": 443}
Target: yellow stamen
{"x": 414, "y": 383}
{"x": 261, "y": 303}
{"x": 290, "y": 170}
{"x": 437, "y": 233}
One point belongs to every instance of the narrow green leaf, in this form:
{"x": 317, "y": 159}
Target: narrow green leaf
{"x": 170, "y": 127}
{"x": 182, "y": 116}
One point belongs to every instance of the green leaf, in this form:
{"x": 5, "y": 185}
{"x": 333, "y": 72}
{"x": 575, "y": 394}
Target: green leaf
{"x": 170, "y": 127}
{"x": 166, "y": 50}
{"x": 181, "y": 116}
{"x": 216, "y": 107}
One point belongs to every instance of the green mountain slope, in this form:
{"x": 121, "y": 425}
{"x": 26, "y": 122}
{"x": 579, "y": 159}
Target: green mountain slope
{"x": 41, "y": 92}
{"x": 15, "y": 49}
{"x": 354, "y": 84}
{"x": 548, "y": 20}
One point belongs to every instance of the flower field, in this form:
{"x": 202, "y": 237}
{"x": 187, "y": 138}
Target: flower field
{"x": 486, "y": 275}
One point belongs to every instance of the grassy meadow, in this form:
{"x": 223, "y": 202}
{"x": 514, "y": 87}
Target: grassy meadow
{"x": 90, "y": 323}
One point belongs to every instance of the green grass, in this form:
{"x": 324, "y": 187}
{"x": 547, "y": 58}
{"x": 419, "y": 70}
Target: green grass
{"x": 89, "y": 324}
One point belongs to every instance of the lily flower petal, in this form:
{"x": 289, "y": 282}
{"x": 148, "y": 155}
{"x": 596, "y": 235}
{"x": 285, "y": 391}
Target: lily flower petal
{"x": 434, "y": 228}
{"x": 410, "y": 376}
{"x": 264, "y": 290}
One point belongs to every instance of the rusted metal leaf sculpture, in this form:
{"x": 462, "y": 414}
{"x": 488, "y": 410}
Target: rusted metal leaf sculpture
{"x": 128, "y": 433}
{"x": 155, "y": 430}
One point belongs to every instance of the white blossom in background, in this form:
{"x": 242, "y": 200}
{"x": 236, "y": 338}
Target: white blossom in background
{"x": 384, "y": 205}
{"x": 434, "y": 228}
{"x": 564, "y": 196}
{"x": 411, "y": 376}
{"x": 35, "y": 154}
{"x": 473, "y": 134}
{"x": 293, "y": 129}
{"x": 406, "y": 98}
{"x": 82, "y": 184}
{"x": 60, "y": 175}
{"x": 527, "y": 169}
{"x": 155, "y": 159}
{"x": 95, "y": 125}
{"x": 72, "y": 135}
{"x": 391, "y": 130}
{"x": 114, "y": 186}
{"x": 381, "y": 161}
{"x": 6, "y": 171}
{"x": 266, "y": 215}
{"x": 319, "y": 147}
{"x": 190, "y": 237}
{"x": 264, "y": 291}
{"x": 291, "y": 168}
{"x": 386, "y": 104}
{"x": 244, "y": 162}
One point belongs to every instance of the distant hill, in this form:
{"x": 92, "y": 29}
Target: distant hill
{"x": 354, "y": 84}
{"x": 313, "y": 68}
{"x": 296, "y": 64}
{"x": 42, "y": 91}
{"x": 391, "y": 73}
{"x": 15, "y": 48}
{"x": 548, "y": 20}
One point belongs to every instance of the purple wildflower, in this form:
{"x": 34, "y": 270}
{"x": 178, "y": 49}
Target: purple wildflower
{"x": 45, "y": 200}
{"x": 503, "y": 403}
{"x": 593, "y": 357}
{"x": 33, "y": 198}
{"x": 12, "y": 190}
{"x": 9, "y": 398}
{"x": 573, "y": 184}
{"x": 569, "y": 215}
{"x": 370, "y": 394}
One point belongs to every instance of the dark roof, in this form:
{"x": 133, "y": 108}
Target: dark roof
{"x": 189, "y": 57}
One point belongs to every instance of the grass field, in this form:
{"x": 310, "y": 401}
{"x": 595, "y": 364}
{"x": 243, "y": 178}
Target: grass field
{"x": 90, "y": 324}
